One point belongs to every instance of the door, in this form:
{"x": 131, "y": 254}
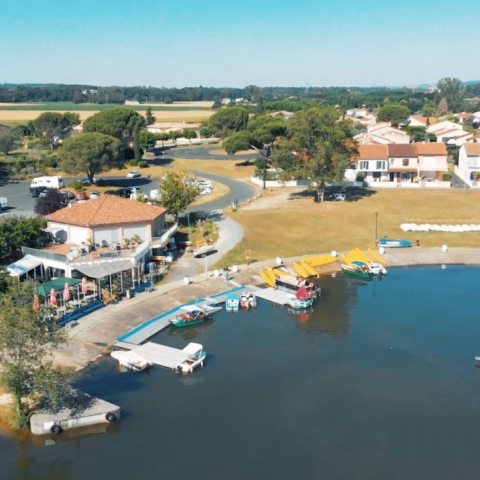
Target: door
{"x": 108, "y": 235}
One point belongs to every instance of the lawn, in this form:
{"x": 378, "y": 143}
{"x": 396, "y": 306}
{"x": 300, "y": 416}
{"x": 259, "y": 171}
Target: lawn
{"x": 286, "y": 225}
{"x": 51, "y": 106}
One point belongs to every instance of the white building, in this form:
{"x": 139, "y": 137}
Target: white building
{"x": 468, "y": 168}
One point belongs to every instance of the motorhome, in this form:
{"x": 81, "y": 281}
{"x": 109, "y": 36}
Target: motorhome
{"x": 49, "y": 182}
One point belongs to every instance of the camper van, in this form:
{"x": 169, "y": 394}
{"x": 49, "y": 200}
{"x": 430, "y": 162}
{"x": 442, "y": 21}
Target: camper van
{"x": 49, "y": 182}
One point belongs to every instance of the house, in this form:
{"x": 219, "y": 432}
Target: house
{"x": 382, "y": 133}
{"x": 443, "y": 126}
{"x": 357, "y": 112}
{"x": 432, "y": 161}
{"x": 282, "y": 113}
{"x": 468, "y": 168}
{"x": 419, "y": 121}
{"x": 132, "y": 102}
{"x": 92, "y": 238}
{"x": 167, "y": 127}
{"x": 463, "y": 117}
{"x": 449, "y": 136}
{"x": 373, "y": 162}
{"x": 402, "y": 163}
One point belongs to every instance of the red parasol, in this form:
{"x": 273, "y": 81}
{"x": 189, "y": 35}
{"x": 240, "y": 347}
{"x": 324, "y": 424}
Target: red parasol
{"x": 53, "y": 298}
{"x": 302, "y": 293}
{"x": 36, "y": 304}
{"x": 84, "y": 286}
{"x": 66, "y": 292}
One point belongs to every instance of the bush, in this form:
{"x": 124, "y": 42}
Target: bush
{"x": 50, "y": 162}
{"x": 446, "y": 177}
{"x": 142, "y": 164}
{"x": 77, "y": 185}
{"x": 133, "y": 163}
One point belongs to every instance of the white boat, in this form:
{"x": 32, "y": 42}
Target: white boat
{"x": 248, "y": 300}
{"x": 375, "y": 268}
{"x": 204, "y": 250}
{"x": 196, "y": 358}
{"x": 232, "y": 303}
{"x": 301, "y": 299}
{"x": 209, "y": 306}
{"x": 130, "y": 360}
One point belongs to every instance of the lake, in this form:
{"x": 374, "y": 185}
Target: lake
{"x": 377, "y": 382}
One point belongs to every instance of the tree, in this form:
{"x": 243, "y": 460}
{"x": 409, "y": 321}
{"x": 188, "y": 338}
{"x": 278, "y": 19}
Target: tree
{"x": 452, "y": 90}
{"x": 8, "y": 140}
{"x": 146, "y": 139}
{"x": 51, "y": 125}
{"x": 149, "y": 118}
{"x": 420, "y": 134}
{"x": 261, "y": 165}
{"x": 260, "y": 106}
{"x": 393, "y": 113}
{"x": 217, "y": 104}
{"x": 189, "y": 133}
{"x": 163, "y": 137}
{"x": 175, "y": 195}
{"x": 228, "y": 120}
{"x": 28, "y": 336}
{"x": 442, "y": 109}
{"x": 429, "y": 108}
{"x": 260, "y": 135}
{"x": 318, "y": 147}
{"x": 174, "y": 135}
{"x": 52, "y": 201}
{"x": 90, "y": 153}
{"x": 206, "y": 132}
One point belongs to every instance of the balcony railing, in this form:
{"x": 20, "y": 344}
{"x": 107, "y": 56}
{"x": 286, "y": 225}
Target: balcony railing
{"x": 44, "y": 254}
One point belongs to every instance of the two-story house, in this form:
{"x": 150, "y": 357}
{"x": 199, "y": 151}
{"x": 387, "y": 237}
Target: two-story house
{"x": 402, "y": 163}
{"x": 468, "y": 168}
{"x": 373, "y": 162}
{"x": 432, "y": 161}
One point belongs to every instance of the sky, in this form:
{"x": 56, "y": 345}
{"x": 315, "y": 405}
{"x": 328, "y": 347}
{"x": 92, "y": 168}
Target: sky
{"x": 224, "y": 43}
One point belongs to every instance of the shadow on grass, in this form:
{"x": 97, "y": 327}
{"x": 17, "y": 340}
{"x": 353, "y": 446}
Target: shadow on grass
{"x": 352, "y": 194}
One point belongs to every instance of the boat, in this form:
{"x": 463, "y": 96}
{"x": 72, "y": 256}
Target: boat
{"x": 196, "y": 358}
{"x": 248, "y": 300}
{"x": 204, "y": 250}
{"x": 320, "y": 260}
{"x": 394, "y": 243}
{"x": 356, "y": 271}
{"x": 375, "y": 268}
{"x": 301, "y": 299}
{"x": 300, "y": 270}
{"x": 130, "y": 360}
{"x": 209, "y": 306}
{"x": 291, "y": 285}
{"x": 232, "y": 302}
{"x": 376, "y": 256}
{"x": 190, "y": 315}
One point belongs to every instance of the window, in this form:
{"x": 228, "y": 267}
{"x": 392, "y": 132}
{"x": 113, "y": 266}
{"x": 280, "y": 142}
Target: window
{"x": 380, "y": 165}
{"x": 405, "y": 162}
{"x": 363, "y": 165}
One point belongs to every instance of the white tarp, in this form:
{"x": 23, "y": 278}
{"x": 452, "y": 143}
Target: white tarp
{"x": 24, "y": 265}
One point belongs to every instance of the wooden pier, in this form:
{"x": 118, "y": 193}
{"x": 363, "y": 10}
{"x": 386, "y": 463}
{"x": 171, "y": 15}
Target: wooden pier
{"x": 272, "y": 295}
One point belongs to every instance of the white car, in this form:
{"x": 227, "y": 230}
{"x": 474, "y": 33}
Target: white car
{"x": 134, "y": 174}
{"x": 94, "y": 194}
{"x": 205, "y": 191}
{"x": 204, "y": 184}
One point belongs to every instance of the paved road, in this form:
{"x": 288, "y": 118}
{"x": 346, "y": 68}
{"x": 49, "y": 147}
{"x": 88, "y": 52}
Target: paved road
{"x": 202, "y": 153}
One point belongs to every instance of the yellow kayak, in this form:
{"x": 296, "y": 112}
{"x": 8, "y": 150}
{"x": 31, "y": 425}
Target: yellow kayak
{"x": 376, "y": 256}
{"x": 299, "y": 269}
{"x": 266, "y": 278}
{"x": 309, "y": 269}
{"x": 359, "y": 255}
{"x": 346, "y": 260}
{"x": 320, "y": 260}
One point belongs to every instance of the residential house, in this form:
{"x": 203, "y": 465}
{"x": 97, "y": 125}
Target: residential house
{"x": 443, "y": 126}
{"x": 449, "y": 136}
{"x": 94, "y": 238}
{"x": 373, "y": 162}
{"x": 382, "y": 133}
{"x": 167, "y": 127}
{"x": 282, "y": 113}
{"x": 357, "y": 112}
{"x": 468, "y": 168}
{"x": 432, "y": 162}
{"x": 132, "y": 102}
{"x": 402, "y": 163}
{"x": 463, "y": 117}
{"x": 419, "y": 121}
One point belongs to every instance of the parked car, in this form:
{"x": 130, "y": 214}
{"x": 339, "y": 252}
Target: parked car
{"x": 133, "y": 189}
{"x": 110, "y": 192}
{"x": 94, "y": 194}
{"x": 86, "y": 181}
{"x": 123, "y": 192}
{"x": 36, "y": 191}
{"x": 203, "y": 183}
{"x": 81, "y": 196}
{"x": 68, "y": 194}
{"x": 134, "y": 174}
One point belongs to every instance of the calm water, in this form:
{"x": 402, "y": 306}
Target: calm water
{"x": 379, "y": 383}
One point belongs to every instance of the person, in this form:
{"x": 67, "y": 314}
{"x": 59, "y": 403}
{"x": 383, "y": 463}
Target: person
{"x": 225, "y": 267}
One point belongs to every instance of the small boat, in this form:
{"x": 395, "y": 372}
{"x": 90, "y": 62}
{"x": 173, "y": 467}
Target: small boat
{"x": 196, "y": 358}
{"x": 301, "y": 299}
{"x": 248, "y": 300}
{"x": 394, "y": 243}
{"x": 232, "y": 303}
{"x": 130, "y": 360}
{"x": 204, "y": 250}
{"x": 209, "y": 306}
{"x": 190, "y": 315}
{"x": 291, "y": 285}
{"x": 375, "y": 268}
{"x": 356, "y": 271}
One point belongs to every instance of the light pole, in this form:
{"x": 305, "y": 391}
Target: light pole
{"x": 376, "y": 229}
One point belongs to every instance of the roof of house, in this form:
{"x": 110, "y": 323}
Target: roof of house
{"x": 472, "y": 148}
{"x": 433, "y": 148}
{"x": 449, "y": 131}
{"x": 419, "y": 118}
{"x": 463, "y": 115}
{"x": 401, "y": 150}
{"x": 107, "y": 210}
{"x": 372, "y": 151}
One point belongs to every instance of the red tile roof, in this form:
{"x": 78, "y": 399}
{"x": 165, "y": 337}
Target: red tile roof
{"x": 472, "y": 148}
{"x": 432, "y": 148}
{"x": 419, "y": 118}
{"x": 107, "y": 210}
{"x": 401, "y": 150}
{"x": 372, "y": 152}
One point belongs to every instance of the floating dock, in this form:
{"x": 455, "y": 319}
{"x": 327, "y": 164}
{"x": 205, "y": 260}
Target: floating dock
{"x": 272, "y": 295}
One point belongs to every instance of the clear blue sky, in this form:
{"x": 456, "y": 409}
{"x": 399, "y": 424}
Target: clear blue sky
{"x": 236, "y": 43}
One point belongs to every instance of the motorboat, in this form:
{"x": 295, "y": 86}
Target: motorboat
{"x": 301, "y": 299}
{"x": 291, "y": 285}
{"x": 204, "y": 250}
{"x": 195, "y": 359}
{"x": 232, "y": 302}
{"x": 190, "y": 315}
{"x": 375, "y": 268}
{"x": 248, "y": 300}
{"x": 130, "y": 360}
{"x": 209, "y": 306}
{"x": 357, "y": 271}
{"x": 394, "y": 243}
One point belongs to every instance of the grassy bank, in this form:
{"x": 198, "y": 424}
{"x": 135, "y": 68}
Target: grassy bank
{"x": 53, "y": 106}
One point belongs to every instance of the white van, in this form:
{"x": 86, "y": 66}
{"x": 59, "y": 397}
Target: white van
{"x": 155, "y": 195}
{"x": 49, "y": 182}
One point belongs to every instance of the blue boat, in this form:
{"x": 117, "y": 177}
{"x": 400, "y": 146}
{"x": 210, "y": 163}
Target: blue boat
{"x": 394, "y": 243}
{"x": 232, "y": 303}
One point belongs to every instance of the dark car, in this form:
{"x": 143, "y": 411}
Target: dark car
{"x": 36, "y": 191}
{"x": 69, "y": 195}
{"x": 123, "y": 192}
{"x": 110, "y": 192}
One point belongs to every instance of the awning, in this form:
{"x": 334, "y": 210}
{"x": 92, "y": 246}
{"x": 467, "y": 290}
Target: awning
{"x": 102, "y": 269}
{"x": 27, "y": 263}
{"x": 57, "y": 284}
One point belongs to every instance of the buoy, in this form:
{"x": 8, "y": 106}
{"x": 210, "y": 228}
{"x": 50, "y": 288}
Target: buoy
{"x": 111, "y": 417}
{"x": 381, "y": 251}
{"x": 444, "y": 247}
{"x": 56, "y": 429}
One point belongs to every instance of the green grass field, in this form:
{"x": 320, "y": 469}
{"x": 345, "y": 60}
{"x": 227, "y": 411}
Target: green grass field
{"x": 51, "y": 106}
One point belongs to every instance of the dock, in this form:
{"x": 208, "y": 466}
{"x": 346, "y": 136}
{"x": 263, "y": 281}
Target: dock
{"x": 272, "y": 295}
{"x": 159, "y": 355}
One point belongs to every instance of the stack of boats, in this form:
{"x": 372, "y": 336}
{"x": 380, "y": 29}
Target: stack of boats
{"x": 427, "y": 227}
{"x": 361, "y": 265}
{"x": 245, "y": 300}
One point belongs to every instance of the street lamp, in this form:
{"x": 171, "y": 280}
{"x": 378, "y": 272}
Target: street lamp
{"x": 376, "y": 229}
